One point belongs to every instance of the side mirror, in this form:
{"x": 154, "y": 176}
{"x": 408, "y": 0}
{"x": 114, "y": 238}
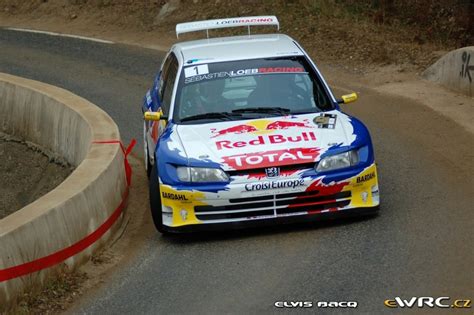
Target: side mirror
{"x": 348, "y": 98}
{"x": 154, "y": 116}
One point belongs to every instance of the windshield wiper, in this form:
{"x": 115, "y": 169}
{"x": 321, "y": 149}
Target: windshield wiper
{"x": 264, "y": 110}
{"x": 307, "y": 111}
{"x": 213, "y": 115}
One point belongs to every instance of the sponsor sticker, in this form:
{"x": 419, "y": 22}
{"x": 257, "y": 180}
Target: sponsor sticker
{"x": 325, "y": 121}
{"x": 265, "y": 140}
{"x": 251, "y": 127}
{"x": 196, "y": 70}
{"x": 195, "y": 74}
{"x": 174, "y": 196}
{"x": 364, "y": 178}
{"x": 272, "y": 158}
{"x": 263, "y": 188}
{"x": 244, "y": 21}
{"x": 293, "y": 183}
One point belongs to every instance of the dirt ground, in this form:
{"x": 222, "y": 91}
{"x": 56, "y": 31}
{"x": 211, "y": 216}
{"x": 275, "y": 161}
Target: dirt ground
{"x": 329, "y": 30}
{"x": 26, "y": 174}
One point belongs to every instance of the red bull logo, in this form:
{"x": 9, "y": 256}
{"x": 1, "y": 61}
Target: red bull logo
{"x": 283, "y": 124}
{"x": 260, "y": 125}
{"x": 267, "y": 139}
{"x": 234, "y": 130}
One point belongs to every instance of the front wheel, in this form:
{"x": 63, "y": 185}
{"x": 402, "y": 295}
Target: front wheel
{"x": 155, "y": 201}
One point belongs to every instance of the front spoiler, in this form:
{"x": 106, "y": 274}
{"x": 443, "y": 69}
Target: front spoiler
{"x": 354, "y": 212}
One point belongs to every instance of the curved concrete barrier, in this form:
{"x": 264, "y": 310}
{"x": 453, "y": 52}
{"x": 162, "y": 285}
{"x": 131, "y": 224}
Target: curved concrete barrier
{"x": 65, "y": 226}
{"x": 454, "y": 70}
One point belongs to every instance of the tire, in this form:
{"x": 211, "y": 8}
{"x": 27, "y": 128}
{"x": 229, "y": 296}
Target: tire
{"x": 155, "y": 201}
{"x": 148, "y": 165}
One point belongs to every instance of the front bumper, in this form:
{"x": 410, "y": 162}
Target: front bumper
{"x": 308, "y": 198}
{"x": 321, "y": 217}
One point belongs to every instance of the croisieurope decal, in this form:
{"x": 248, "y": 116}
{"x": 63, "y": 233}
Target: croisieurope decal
{"x": 293, "y": 183}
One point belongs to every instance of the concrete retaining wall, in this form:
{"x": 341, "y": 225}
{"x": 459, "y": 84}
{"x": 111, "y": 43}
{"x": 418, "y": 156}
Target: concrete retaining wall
{"x": 454, "y": 70}
{"x": 67, "y": 125}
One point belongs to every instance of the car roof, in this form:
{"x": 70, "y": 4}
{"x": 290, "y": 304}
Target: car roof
{"x": 236, "y": 48}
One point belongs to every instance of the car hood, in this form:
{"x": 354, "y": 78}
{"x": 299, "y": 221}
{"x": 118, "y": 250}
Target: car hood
{"x": 248, "y": 144}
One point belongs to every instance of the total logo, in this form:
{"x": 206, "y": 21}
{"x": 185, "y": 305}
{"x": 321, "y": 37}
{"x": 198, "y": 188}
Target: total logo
{"x": 271, "y": 158}
{"x": 262, "y": 126}
{"x": 267, "y": 139}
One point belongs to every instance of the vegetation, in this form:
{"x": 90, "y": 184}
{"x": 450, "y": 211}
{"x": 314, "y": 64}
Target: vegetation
{"x": 413, "y": 33}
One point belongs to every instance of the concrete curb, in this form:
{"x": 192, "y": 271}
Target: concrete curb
{"x": 86, "y": 209}
{"x": 454, "y": 70}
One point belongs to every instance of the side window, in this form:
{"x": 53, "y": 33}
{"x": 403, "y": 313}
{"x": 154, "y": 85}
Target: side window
{"x": 164, "y": 74}
{"x": 169, "y": 79}
{"x": 303, "y": 82}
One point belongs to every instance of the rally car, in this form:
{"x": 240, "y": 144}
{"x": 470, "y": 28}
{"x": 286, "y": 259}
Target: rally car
{"x": 244, "y": 130}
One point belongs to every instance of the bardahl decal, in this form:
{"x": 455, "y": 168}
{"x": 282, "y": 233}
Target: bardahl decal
{"x": 325, "y": 121}
{"x": 365, "y": 178}
{"x": 173, "y": 196}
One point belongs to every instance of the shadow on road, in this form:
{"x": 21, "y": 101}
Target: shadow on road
{"x": 253, "y": 232}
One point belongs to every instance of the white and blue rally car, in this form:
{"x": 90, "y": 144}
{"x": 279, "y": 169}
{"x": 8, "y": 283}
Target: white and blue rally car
{"x": 244, "y": 130}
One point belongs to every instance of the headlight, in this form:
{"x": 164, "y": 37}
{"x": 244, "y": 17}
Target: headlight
{"x": 337, "y": 161}
{"x": 201, "y": 174}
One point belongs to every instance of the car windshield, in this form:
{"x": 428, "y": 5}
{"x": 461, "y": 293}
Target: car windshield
{"x": 249, "y": 89}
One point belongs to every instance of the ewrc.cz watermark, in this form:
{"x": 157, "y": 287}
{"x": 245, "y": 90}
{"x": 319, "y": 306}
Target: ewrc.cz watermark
{"x": 319, "y": 304}
{"x": 427, "y": 301}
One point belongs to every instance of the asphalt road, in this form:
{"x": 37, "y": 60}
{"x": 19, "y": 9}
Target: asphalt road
{"x": 422, "y": 243}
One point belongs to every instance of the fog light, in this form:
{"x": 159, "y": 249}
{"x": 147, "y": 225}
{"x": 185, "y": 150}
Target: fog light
{"x": 375, "y": 194}
{"x": 364, "y": 195}
{"x": 167, "y": 218}
{"x": 184, "y": 214}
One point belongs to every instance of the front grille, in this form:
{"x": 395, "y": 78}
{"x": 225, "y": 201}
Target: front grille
{"x": 273, "y": 205}
{"x": 261, "y": 171}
